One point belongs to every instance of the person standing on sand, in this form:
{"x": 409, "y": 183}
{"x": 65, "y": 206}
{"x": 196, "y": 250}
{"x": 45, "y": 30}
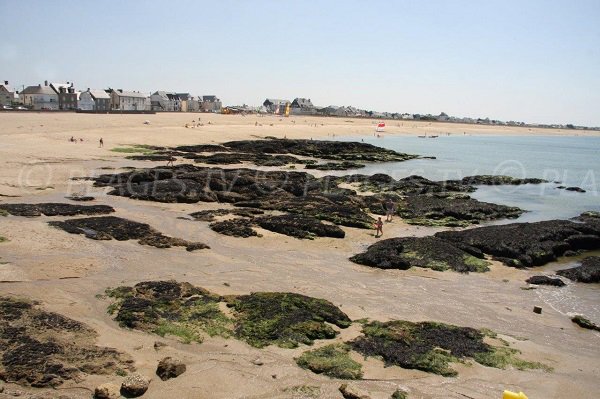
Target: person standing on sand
{"x": 378, "y": 227}
{"x": 390, "y": 209}
{"x": 101, "y": 142}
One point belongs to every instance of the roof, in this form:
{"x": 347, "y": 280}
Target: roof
{"x": 275, "y": 101}
{"x": 97, "y": 94}
{"x": 130, "y": 94}
{"x": 7, "y": 87}
{"x": 303, "y": 103}
{"x": 39, "y": 89}
{"x": 210, "y": 98}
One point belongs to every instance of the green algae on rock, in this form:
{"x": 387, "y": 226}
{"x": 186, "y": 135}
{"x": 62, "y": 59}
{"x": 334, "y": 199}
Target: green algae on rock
{"x": 331, "y": 360}
{"x": 431, "y": 347}
{"x": 285, "y": 319}
{"x": 428, "y": 252}
{"x": 170, "y": 308}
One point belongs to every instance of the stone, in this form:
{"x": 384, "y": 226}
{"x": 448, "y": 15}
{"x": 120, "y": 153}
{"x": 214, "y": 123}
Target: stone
{"x": 587, "y": 272}
{"x": 55, "y": 209}
{"x": 107, "y": 391}
{"x": 585, "y": 323}
{"x": 545, "y": 280}
{"x": 537, "y": 309}
{"x": 351, "y": 391}
{"x": 134, "y": 385}
{"x": 170, "y": 368}
{"x": 112, "y": 227}
{"x": 258, "y": 362}
{"x": 158, "y": 345}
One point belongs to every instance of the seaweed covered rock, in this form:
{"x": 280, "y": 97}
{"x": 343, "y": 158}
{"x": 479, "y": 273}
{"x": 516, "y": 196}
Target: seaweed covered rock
{"x": 81, "y": 198}
{"x": 345, "y": 165}
{"x": 432, "y": 346}
{"x": 112, "y": 227}
{"x": 211, "y": 214}
{"x": 430, "y": 252}
{"x": 452, "y": 210}
{"x": 331, "y": 360}
{"x": 169, "y": 308}
{"x": 55, "y": 209}
{"x": 235, "y": 228}
{"x": 299, "y": 226}
{"x": 545, "y": 280}
{"x": 585, "y": 323}
{"x": 230, "y": 158}
{"x": 528, "y": 244}
{"x": 495, "y": 180}
{"x": 335, "y": 150}
{"x": 587, "y": 272}
{"x": 45, "y": 349}
{"x": 285, "y": 319}
{"x": 170, "y": 368}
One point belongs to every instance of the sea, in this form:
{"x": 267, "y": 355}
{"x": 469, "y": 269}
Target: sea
{"x": 569, "y": 161}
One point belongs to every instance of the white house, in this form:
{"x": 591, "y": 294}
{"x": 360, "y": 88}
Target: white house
{"x": 39, "y": 97}
{"x": 129, "y": 100}
{"x": 94, "y": 100}
{"x": 7, "y": 94}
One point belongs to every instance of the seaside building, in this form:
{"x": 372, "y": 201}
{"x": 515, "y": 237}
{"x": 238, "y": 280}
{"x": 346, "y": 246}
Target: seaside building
{"x": 7, "y": 94}
{"x": 94, "y": 100}
{"x": 275, "y": 106}
{"x": 40, "y": 97}
{"x": 302, "y": 106}
{"x": 67, "y": 97}
{"x": 128, "y": 100}
{"x": 210, "y": 104}
{"x": 188, "y": 103}
{"x": 162, "y": 101}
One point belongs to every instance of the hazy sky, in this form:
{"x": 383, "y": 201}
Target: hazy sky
{"x": 535, "y": 61}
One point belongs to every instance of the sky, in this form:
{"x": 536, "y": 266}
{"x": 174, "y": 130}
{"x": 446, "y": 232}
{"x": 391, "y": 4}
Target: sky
{"x": 536, "y": 61}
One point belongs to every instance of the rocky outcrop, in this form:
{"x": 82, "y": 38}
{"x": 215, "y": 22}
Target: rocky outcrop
{"x": 345, "y": 165}
{"x": 45, "y": 349}
{"x": 241, "y": 228}
{"x": 529, "y": 244}
{"x": 170, "y": 368}
{"x": 299, "y": 226}
{"x": 587, "y": 272}
{"x": 353, "y": 392}
{"x": 112, "y": 227}
{"x": 229, "y": 158}
{"x": 495, "y": 180}
{"x": 585, "y": 323}
{"x": 81, "y": 198}
{"x": 134, "y": 385}
{"x": 545, "y": 280}
{"x": 211, "y": 214}
{"x": 55, "y": 209}
{"x": 428, "y": 252}
{"x": 452, "y": 210}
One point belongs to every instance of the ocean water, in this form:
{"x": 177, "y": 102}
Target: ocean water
{"x": 564, "y": 161}
{"x": 572, "y": 161}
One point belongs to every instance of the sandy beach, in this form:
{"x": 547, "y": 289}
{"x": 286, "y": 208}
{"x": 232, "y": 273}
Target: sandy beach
{"x": 67, "y": 273}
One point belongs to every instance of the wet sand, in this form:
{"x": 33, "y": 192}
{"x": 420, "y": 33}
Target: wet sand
{"x": 66, "y": 272}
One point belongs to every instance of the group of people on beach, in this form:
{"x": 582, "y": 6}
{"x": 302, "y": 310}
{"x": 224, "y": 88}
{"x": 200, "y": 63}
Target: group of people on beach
{"x": 390, "y": 210}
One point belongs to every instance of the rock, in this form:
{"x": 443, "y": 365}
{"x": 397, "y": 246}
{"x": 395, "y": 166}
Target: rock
{"x": 588, "y": 272}
{"x": 107, "y": 391}
{"x": 428, "y": 252}
{"x": 235, "y": 228}
{"x": 529, "y": 244}
{"x": 257, "y": 159}
{"x": 334, "y": 150}
{"x": 159, "y": 345}
{"x": 576, "y": 189}
{"x": 209, "y": 215}
{"x": 134, "y": 385}
{"x": 55, "y": 209}
{"x": 285, "y": 319}
{"x": 83, "y": 198}
{"x": 170, "y": 368}
{"x": 45, "y": 349}
{"x": 112, "y": 227}
{"x": 258, "y": 362}
{"x": 350, "y": 391}
{"x": 545, "y": 280}
{"x": 345, "y": 165}
{"x": 585, "y": 323}
{"x": 537, "y": 309}
{"x": 398, "y": 394}
{"x": 299, "y": 226}
{"x": 493, "y": 180}
{"x": 1, "y": 387}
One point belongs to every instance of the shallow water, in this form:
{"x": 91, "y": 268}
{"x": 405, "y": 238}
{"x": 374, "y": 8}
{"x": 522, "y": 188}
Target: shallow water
{"x": 572, "y": 161}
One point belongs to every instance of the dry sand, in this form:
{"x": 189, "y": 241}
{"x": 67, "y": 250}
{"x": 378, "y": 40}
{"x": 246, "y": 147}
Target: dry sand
{"x": 66, "y": 272}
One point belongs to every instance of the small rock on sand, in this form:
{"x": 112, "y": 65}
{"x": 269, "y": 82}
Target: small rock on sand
{"x": 353, "y": 392}
{"x": 134, "y": 385}
{"x": 107, "y": 391}
{"x": 170, "y": 368}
